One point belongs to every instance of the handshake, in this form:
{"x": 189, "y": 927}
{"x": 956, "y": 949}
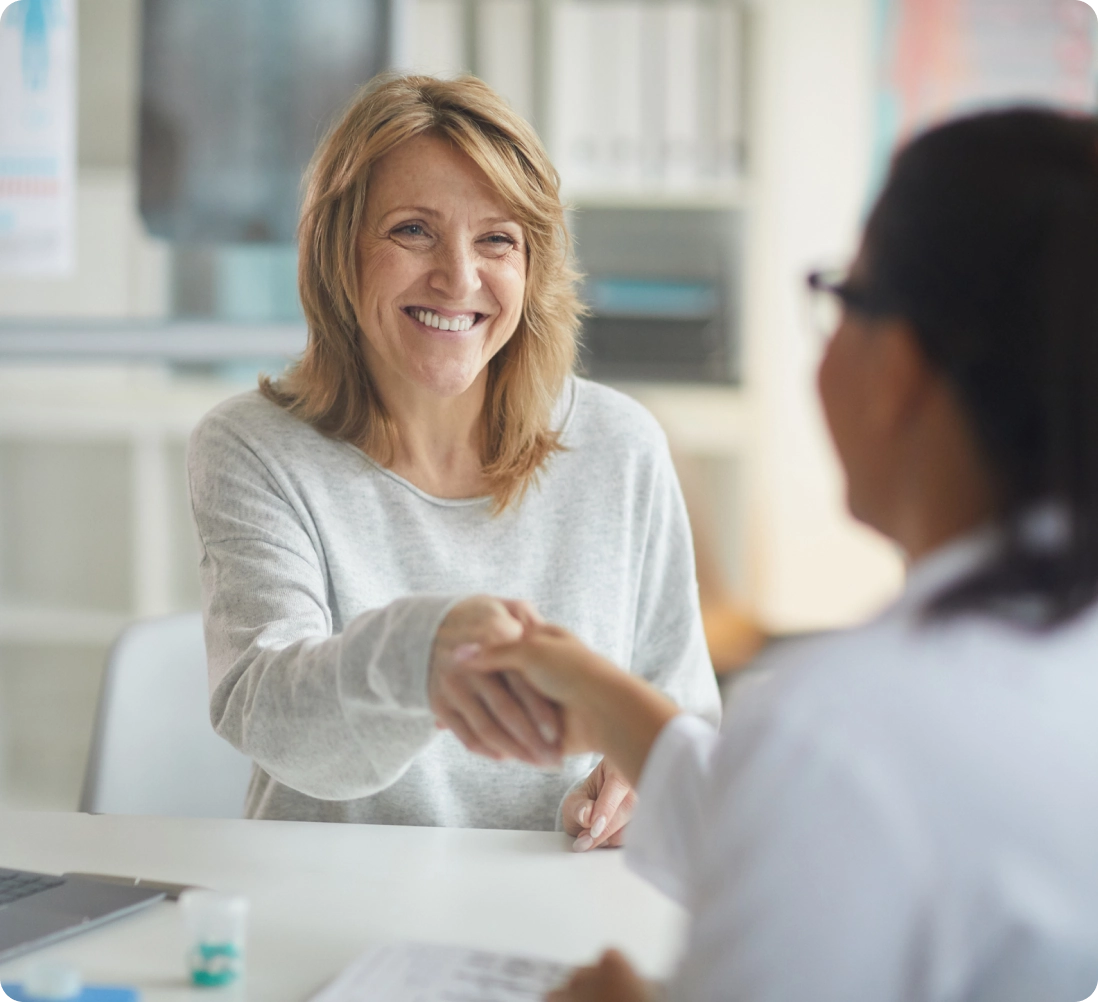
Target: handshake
{"x": 505, "y": 682}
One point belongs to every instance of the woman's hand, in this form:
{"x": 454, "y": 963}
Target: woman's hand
{"x": 560, "y": 668}
{"x": 600, "y": 809}
{"x": 499, "y": 714}
{"x": 612, "y": 979}
{"x": 605, "y": 709}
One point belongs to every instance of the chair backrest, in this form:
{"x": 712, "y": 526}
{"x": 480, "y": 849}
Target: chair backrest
{"x": 153, "y": 750}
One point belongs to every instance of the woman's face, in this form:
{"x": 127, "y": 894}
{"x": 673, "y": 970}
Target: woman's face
{"x": 845, "y": 383}
{"x": 441, "y": 270}
{"x": 864, "y": 381}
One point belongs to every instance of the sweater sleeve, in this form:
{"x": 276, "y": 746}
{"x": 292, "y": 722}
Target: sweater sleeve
{"x": 333, "y": 716}
{"x": 669, "y": 648}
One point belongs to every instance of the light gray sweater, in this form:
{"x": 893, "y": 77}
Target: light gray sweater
{"x": 325, "y": 576}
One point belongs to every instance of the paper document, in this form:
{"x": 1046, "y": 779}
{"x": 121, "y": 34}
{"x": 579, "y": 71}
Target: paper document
{"x": 424, "y": 972}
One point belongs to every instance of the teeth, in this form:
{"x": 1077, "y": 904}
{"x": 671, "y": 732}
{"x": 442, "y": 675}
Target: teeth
{"x": 462, "y": 323}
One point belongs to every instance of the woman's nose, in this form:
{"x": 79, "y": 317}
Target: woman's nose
{"x": 456, "y": 273}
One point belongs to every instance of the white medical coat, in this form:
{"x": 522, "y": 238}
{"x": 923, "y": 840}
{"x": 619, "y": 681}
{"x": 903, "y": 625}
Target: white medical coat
{"x": 904, "y": 811}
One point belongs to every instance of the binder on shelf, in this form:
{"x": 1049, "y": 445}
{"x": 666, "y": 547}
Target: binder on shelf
{"x": 437, "y": 37}
{"x": 505, "y": 47}
{"x": 728, "y": 92}
{"x": 653, "y": 298}
{"x": 645, "y": 96}
{"x": 683, "y": 89}
{"x": 642, "y": 95}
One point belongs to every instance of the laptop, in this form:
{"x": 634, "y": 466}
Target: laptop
{"x": 37, "y": 909}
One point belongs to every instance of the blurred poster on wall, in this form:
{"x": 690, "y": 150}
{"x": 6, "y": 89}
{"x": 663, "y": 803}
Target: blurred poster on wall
{"x": 37, "y": 137}
{"x": 940, "y": 58}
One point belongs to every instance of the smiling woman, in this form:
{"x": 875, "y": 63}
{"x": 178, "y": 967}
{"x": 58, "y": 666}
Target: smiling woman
{"x": 430, "y": 449}
{"x": 437, "y": 191}
{"x": 441, "y": 283}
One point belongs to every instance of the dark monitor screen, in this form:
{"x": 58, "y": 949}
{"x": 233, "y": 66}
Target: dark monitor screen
{"x": 235, "y": 95}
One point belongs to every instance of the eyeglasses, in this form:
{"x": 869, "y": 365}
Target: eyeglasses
{"x": 830, "y": 291}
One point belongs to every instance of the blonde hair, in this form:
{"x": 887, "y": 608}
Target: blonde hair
{"x": 330, "y": 386}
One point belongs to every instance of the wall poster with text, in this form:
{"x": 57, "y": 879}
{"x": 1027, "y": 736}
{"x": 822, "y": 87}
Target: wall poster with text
{"x": 37, "y": 137}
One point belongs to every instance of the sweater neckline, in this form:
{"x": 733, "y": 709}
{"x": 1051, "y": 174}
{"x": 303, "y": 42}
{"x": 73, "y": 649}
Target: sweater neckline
{"x": 561, "y": 418}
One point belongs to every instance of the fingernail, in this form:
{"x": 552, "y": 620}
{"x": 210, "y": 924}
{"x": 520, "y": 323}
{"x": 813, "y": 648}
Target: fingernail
{"x": 583, "y": 843}
{"x": 584, "y": 815}
{"x": 465, "y": 652}
{"x": 598, "y": 827}
{"x": 548, "y": 733}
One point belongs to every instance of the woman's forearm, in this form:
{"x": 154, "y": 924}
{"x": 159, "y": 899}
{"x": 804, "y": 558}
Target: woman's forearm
{"x": 334, "y": 718}
{"x": 624, "y": 716}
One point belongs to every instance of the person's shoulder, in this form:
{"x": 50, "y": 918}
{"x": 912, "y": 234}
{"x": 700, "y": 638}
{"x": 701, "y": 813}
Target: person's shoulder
{"x": 249, "y": 418}
{"x": 250, "y": 411}
{"x": 251, "y": 430}
{"x": 604, "y": 416}
{"x": 899, "y": 677}
{"x": 826, "y": 679}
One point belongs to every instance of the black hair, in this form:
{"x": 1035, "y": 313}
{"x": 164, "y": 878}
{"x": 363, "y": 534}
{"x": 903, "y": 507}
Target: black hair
{"x": 985, "y": 239}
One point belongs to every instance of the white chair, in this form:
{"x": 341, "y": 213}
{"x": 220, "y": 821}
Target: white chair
{"x": 153, "y": 749}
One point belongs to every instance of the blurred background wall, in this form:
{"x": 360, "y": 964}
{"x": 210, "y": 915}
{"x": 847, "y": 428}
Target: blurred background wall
{"x": 712, "y": 151}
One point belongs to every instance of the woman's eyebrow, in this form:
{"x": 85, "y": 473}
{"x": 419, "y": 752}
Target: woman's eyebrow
{"x": 419, "y": 209}
{"x": 423, "y": 210}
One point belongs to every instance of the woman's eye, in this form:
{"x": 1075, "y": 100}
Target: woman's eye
{"x": 411, "y": 230}
{"x": 500, "y": 242}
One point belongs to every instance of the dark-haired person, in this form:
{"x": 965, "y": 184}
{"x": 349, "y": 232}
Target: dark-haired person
{"x": 908, "y": 810}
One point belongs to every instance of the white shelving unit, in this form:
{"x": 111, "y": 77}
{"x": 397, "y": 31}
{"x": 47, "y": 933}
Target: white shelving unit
{"x": 94, "y": 532}
{"x": 145, "y": 416}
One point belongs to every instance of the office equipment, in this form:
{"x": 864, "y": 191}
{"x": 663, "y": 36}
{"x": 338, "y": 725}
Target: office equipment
{"x": 153, "y": 749}
{"x": 430, "y": 972}
{"x": 170, "y": 891}
{"x": 37, "y": 908}
{"x": 321, "y": 894}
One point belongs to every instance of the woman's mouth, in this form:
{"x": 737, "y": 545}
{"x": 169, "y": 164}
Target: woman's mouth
{"x": 457, "y": 322}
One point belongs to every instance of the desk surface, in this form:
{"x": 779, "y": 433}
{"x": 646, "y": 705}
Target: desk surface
{"x": 321, "y": 893}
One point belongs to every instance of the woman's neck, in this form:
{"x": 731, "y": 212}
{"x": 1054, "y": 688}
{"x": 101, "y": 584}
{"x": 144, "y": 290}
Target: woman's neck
{"x": 439, "y": 445}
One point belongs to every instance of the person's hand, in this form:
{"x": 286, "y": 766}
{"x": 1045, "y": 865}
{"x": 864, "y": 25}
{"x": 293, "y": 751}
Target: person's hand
{"x": 499, "y": 714}
{"x": 556, "y": 664}
{"x": 599, "y": 810}
{"x": 612, "y": 979}
{"x": 559, "y": 667}
{"x": 604, "y": 709}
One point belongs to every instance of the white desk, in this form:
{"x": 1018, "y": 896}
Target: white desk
{"x": 321, "y": 893}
